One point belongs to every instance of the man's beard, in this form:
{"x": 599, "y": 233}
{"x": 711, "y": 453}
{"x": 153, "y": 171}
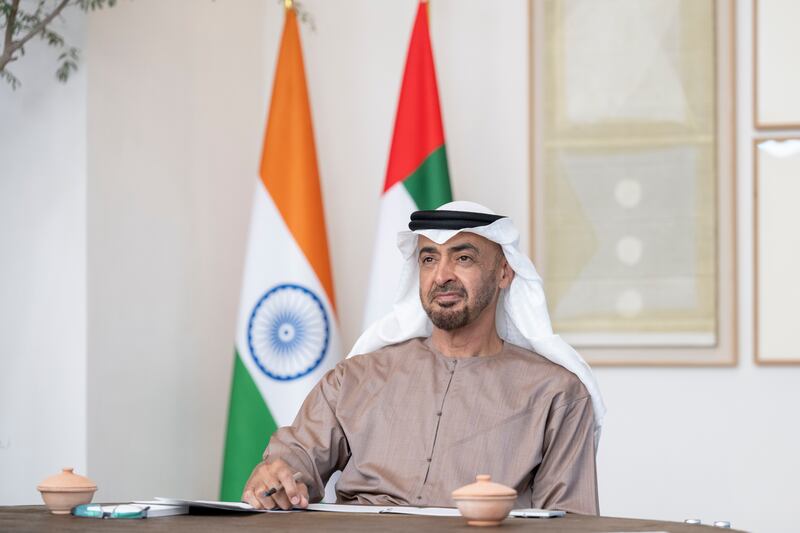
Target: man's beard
{"x": 443, "y": 317}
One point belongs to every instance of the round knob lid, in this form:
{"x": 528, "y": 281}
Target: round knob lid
{"x": 67, "y": 481}
{"x": 484, "y": 487}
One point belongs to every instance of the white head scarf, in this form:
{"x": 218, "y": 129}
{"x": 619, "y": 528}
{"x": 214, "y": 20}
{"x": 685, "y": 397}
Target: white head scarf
{"x": 522, "y": 317}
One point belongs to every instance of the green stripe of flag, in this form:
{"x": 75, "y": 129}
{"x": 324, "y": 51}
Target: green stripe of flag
{"x": 429, "y": 184}
{"x": 249, "y": 426}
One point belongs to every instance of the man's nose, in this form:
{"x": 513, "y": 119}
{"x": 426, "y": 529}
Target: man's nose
{"x": 444, "y": 273}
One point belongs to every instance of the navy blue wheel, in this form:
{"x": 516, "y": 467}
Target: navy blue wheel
{"x": 288, "y": 332}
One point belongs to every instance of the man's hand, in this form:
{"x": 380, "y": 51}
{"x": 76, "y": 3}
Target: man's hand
{"x": 270, "y": 475}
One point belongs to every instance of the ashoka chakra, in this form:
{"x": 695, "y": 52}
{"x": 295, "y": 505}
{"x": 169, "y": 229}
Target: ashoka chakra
{"x": 288, "y": 332}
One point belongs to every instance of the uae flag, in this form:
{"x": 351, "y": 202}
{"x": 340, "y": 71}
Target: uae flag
{"x": 416, "y": 176}
{"x": 287, "y": 336}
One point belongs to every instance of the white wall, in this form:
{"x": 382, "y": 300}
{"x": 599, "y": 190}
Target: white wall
{"x": 42, "y": 271}
{"x": 176, "y": 107}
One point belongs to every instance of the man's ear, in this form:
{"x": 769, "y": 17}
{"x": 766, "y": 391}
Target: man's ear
{"x": 506, "y": 274}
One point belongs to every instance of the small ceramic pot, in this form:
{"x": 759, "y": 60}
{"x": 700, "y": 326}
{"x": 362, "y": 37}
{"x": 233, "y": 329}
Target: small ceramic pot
{"x": 64, "y": 491}
{"x": 485, "y": 503}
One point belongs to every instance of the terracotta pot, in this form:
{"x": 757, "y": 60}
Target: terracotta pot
{"x": 64, "y": 491}
{"x": 484, "y": 503}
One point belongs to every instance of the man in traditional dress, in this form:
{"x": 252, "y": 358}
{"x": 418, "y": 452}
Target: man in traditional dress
{"x": 463, "y": 377}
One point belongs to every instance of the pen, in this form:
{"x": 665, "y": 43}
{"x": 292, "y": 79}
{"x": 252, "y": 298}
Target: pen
{"x": 296, "y": 476}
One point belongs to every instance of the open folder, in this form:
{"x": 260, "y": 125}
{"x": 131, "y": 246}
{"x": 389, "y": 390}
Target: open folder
{"x": 325, "y": 507}
{"x": 343, "y": 508}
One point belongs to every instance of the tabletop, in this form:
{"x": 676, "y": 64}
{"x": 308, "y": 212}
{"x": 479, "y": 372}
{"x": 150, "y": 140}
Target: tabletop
{"x": 38, "y": 519}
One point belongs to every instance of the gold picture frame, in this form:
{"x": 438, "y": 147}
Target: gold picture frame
{"x": 715, "y": 342}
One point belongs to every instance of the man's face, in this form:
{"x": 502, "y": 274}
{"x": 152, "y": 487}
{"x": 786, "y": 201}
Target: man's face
{"x": 460, "y": 278}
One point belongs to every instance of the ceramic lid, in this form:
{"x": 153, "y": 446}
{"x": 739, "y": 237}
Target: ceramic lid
{"x": 67, "y": 481}
{"x": 484, "y": 487}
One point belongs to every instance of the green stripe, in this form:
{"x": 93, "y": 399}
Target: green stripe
{"x": 250, "y": 425}
{"x": 429, "y": 185}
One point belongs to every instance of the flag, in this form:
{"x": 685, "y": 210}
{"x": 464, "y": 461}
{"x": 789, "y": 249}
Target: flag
{"x": 287, "y": 336}
{"x": 417, "y": 175}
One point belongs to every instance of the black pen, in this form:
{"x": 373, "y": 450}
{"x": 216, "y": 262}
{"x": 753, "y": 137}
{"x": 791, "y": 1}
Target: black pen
{"x": 296, "y": 476}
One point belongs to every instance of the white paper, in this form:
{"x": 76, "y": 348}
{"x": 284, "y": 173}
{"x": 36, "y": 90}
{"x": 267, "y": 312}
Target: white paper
{"x": 342, "y": 508}
{"x": 381, "y": 509}
{"x": 536, "y": 513}
{"x": 210, "y": 504}
{"x": 337, "y": 508}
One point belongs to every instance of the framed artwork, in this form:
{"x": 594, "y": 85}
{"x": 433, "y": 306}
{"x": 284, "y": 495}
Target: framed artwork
{"x": 776, "y": 79}
{"x": 776, "y": 218}
{"x": 633, "y": 177}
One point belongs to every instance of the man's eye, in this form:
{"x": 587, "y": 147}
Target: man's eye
{"x": 426, "y": 260}
{"x": 464, "y": 258}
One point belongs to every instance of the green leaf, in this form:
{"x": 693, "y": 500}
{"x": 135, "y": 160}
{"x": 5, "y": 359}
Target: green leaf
{"x": 30, "y": 15}
{"x": 10, "y": 79}
{"x": 52, "y": 38}
{"x": 65, "y": 70}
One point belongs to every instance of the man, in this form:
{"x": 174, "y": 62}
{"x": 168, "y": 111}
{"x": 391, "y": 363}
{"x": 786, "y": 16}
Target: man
{"x": 464, "y": 377}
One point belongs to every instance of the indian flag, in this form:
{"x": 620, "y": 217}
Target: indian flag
{"x": 287, "y": 336}
{"x": 417, "y": 175}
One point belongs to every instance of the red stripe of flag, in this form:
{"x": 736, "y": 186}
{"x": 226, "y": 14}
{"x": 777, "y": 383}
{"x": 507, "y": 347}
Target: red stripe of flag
{"x": 418, "y": 127}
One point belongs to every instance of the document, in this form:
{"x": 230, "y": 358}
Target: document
{"x": 344, "y": 508}
{"x": 324, "y": 507}
{"x": 209, "y": 504}
{"x": 536, "y": 513}
{"x": 382, "y": 509}
{"x": 423, "y": 511}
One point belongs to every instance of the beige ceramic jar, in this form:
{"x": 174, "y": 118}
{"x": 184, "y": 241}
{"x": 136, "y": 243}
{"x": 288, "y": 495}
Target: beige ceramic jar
{"x": 485, "y": 503}
{"x": 64, "y": 491}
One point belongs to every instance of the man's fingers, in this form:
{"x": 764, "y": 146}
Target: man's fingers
{"x": 289, "y": 485}
{"x": 267, "y": 476}
{"x": 260, "y": 481}
{"x": 265, "y": 502}
{"x": 302, "y": 489}
{"x": 282, "y": 500}
{"x": 279, "y": 474}
{"x": 253, "y": 485}
{"x": 248, "y": 497}
{"x": 286, "y": 502}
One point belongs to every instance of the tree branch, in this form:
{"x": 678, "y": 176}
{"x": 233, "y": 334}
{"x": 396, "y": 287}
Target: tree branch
{"x": 10, "y": 22}
{"x": 13, "y": 46}
{"x": 42, "y": 24}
